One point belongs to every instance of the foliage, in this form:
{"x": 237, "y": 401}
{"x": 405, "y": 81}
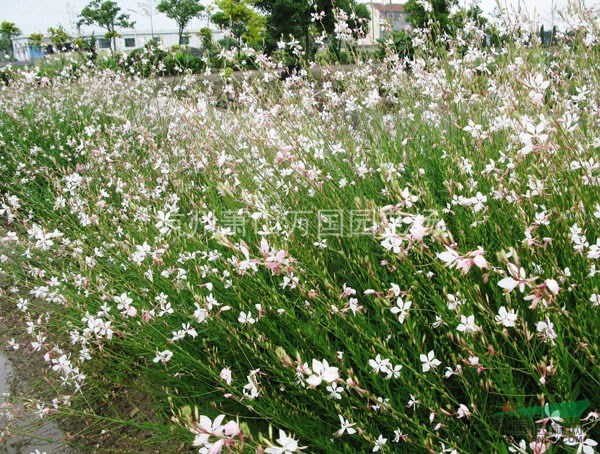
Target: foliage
{"x": 359, "y": 19}
{"x": 473, "y": 14}
{"x": 8, "y": 30}
{"x": 206, "y": 39}
{"x": 58, "y": 37}
{"x": 107, "y": 15}
{"x": 430, "y": 13}
{"x": 245, "y": 23}
{"x": 181, "y": 11}
{"x": 36, "y": 38}
{"x": 398, "y": 43}
{"x": 397, "y": 257}
{"x": 301, "y": 19}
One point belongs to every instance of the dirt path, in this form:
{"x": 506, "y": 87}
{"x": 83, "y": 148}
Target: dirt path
{"x": 23, "y": 432}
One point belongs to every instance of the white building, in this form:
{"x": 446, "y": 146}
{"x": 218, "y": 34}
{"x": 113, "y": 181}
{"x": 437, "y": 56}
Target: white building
{"x": 385, "y": 17}
{"x": 24, "y": 50}
{"x": 131, "y": 39}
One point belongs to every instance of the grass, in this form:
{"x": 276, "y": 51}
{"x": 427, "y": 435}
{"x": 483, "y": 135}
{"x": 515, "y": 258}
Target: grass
{"x": 146, "y": 194}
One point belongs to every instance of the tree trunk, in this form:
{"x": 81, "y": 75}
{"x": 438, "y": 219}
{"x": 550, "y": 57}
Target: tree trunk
{"x": 113, "y": 40}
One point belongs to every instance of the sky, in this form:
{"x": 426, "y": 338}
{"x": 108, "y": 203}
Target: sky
{"x": 33, "y": 16}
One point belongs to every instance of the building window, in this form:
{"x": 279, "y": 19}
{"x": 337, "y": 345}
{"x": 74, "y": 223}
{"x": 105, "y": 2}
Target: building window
{"x": 129, "y": 42}
{"x": 104, "y": 43}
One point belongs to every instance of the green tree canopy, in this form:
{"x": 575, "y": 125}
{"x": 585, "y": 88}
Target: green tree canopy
{"x": 295, "y": 17}
{"x": 36, "y": 38}
{"x": 245, "y": 22}
{"x": 181, "y": 11}
{"x": 359, "y": 19}
{"x": 421, "y": 12}
{"x": 107, "y": 15}
{"x": 58, "y": 37}
{"x": 474, "y": 14}
{"x": 8, "y": 30}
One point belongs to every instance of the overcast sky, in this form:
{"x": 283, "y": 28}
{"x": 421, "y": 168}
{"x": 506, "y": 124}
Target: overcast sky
{"x": 37, "y": 15}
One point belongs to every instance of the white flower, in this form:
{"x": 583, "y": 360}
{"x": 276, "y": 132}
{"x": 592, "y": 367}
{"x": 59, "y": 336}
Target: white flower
{"x": 413, "y": 402}
{"x": 321, "y": 371}
{"x": 552, "y": 286}
{"x": 163, "y": 356}
{"x": 394, "y": 372}
{"x": 335, "y": 391}
{"x": 207, "y": 427}
{"x": 426, "y": 5}
{"x": 379, "y": 443}
{"x": 321, "y": 244}
{"x": 429, "y": 361}
{"x": 251, "y": 389}
{"x": 346, "y": 427}
{"x": 467, "y": 324}
{"x": 226, "y": 375}
{"x": 246, "y": 318}
{"x": 380, "y": 365}
{"x": 286, "y": 444}
{"x": 124, "y": 305}
{"x": 507, "y": 318}
{"x": 587, "y": 446}
{"x": 508, "y": 284}
{"x": 401, "y": 309}
{"x": 463, "y": 411}
{"x": 453, "y": 301}
{"x": 164, "y": 223}
{"x": 398, "y": 435}
{"x": 546, "y": 330}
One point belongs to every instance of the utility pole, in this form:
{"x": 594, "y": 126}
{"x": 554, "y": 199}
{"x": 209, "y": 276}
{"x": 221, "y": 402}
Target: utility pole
{"x": 148, "y": 9}
{"x": 71, "y": 14}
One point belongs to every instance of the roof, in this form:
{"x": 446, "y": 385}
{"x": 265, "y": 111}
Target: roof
{"x": 389, "y": 7}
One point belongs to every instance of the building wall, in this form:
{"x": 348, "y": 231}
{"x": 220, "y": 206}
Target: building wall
{"x": 397, "y": 20}
{"x": 125, "y": 43}
{"x": 378, "y": 24}
{"x": 24, "y": 50}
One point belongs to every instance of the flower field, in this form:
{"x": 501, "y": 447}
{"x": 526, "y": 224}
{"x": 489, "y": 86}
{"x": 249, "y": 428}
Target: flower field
{"x": 400, "y": 256}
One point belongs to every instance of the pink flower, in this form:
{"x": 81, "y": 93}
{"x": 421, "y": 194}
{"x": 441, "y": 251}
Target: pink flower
{"x": 464, "y": 262}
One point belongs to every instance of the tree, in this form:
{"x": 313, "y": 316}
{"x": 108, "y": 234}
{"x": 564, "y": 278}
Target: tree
{"x": 473, "y": 14}
{"x": 295, "y": 17}
{"x": 36, "y": 39}
{"x": 285, "y": 18}
{"x": 58, "y": 37}
{"x": 359, "y": 21}
{"x": 107, "y": 15}
{"x": 245, "y": 22}
{"x": 205, "y": 34}
{"x": 181, "y": 11}
{"x": 421, "y": 13}
{"x": 8, "y": 30}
